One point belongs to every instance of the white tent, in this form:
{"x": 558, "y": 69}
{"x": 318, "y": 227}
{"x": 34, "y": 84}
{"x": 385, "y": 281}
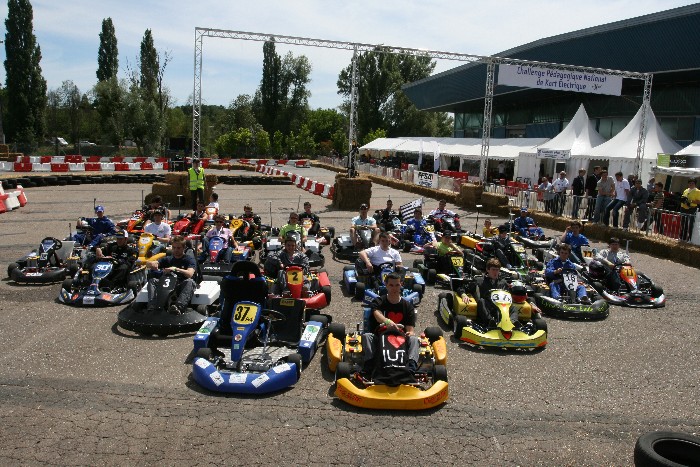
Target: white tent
{"x": 579, "y": 137}
{"x": 693, "y": 148}
{"x": 621, "y": 150}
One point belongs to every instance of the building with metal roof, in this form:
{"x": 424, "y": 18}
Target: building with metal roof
{"x": 666, "y": 44}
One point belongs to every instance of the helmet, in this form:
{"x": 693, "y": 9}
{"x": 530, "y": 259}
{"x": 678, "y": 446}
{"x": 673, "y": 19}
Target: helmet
{"x": 518, "y": 291}
{"x": 597, "y": 270}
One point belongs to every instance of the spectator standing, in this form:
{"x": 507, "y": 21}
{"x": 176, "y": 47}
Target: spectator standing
{"x": 622, "y": 191}
{"x": 606, "y": 189}
{"x": 638, "y": 200}
{"x": 690, "y": 200}
{"x": 548, "y": 194}
{"x": 592, "y": 191}
{"x": 560, "y": 185}
{"x": 578, "y": 189}
{"x": 658, "y": 206}
{"x": 197, "y": 183}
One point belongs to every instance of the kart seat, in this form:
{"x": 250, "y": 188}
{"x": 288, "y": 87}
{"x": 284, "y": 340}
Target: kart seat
{"x": 288, "y": 331}
{"x": 238, "y": 286}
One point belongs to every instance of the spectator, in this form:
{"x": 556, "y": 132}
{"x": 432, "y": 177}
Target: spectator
{"x": 638, "y": 200}
{"x": 560, "y": 185}
{"x": 689, "y": 206}
{"x": 622, "y": 191}
{"x": 501, "y": 170}
{"x": 606, "y": 189}
{"x": 578, "y": 190}
{"x": 547, "y": 189}
{"x": 658, "y": 206}
{"x": 592, "y": 191}
{"x": 196, "y": 178}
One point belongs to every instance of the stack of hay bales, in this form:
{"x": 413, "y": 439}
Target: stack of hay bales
{"x": 469, "y": 195}
{"x": 350, "y": 193}
{"x": 177, "y": 183}
{"x": 495, "y": 203}
{"x": 4, "y": 152}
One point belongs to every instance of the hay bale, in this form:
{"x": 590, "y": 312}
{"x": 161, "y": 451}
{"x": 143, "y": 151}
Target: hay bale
{"x": 469, "y": 195}
{"x": 350, "y": 193}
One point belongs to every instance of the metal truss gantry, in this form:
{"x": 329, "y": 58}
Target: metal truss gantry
{"x": 490, "y": 61}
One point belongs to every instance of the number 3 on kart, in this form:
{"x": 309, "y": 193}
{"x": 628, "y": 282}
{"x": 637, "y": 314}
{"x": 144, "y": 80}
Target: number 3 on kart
{"x": 245, "y": 314}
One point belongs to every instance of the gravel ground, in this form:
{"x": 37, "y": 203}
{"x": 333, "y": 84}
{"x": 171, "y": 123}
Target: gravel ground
{"x": 77, "y": 390}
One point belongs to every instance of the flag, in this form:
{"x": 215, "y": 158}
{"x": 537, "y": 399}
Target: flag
{"x": 436, "y": 155}
{"x": 406, "y": 210}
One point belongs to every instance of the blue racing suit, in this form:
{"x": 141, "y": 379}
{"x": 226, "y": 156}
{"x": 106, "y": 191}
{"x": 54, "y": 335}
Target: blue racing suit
{"x": 419, "y": 228}
{"x": 576, "y": 243}
{"x": 554, "y": 280}
{"x": 101, "y": 227}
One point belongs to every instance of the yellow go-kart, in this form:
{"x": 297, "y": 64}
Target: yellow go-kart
{"x": 423, "y": 389}
{"x": 464, "y": 317}
{"x": 149, "y": 249}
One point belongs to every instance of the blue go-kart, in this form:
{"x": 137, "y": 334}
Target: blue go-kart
{"x": 256, "y": 346}
{"x": 217, "y": 265}
{"x": 90, "y": 286}
{"x": 365, "y": 286}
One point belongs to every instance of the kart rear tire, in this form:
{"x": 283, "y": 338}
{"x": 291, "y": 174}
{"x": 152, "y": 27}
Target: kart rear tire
{"x": 656, "y": 291}
{"x": 458, "y": 323}
{"x": 433, "y": 333}
{"x": 417, "y": 263}
{"x": 419, "y": 288}
{"x": 320, "y": 318}
{"x": 206, "y": 353}
{"x": 360, "y": 290}
{"x": 431, "y": 277}
{"x": 338, "y": 331}
{"x": 67, "y": 284}
{"x": 11, "y": 267}
{"x": 406, "y": 247}
{"x": 343, "y": 370}
{"x": 440, "y": 373}
{"x": 326, "y": 289}
{"x": 296, "y": 359}
{"x": 72, "y": 269}
{"x": 666, "y": 448}
{"x": 349, "y": 267}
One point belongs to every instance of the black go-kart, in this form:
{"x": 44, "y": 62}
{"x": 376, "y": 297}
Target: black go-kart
{"x": 51, "y": 262}
{"x": 91, "y": 285}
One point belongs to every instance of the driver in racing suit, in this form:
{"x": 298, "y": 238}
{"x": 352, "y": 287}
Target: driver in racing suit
{"x": 418, "y": 224}
{"x": 611, "y": 257}
{"x": 391, "y": 309}
{"x": 101, "y": 226}
{"x": 575, "y": 239}
{"x": 553, "y": 274}
{"x": 123, "y": 254}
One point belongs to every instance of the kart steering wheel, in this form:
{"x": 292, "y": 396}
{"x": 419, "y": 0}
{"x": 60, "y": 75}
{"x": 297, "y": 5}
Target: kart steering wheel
{"x": 382, "y": 328}
{"x": 57, "y": 243}
{"x": 273, "y": 315}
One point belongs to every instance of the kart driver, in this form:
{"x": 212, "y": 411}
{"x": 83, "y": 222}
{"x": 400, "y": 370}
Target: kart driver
{"x": 199, "y": 213}
{"x": 159, "y": 229}
{"x": 380, "y": 254}
{"x": 248, "y": 215}
{"x": 315, "y": 221}
{"x": 385, "y": 215}
{"x": 502, "y": 246}
{"x": 220, "y": 230}
{"x": 522, "y": 225}
{"x": 446, "y": 245}
{"x": 556, "y": 267}
{"x": 363, "y": 220}
{"x": 441, "y": 211}
{"x": 213, "y": 201}
{"x": 184, "y": 267}
{"x": 390, "y": 310}
{"x": 575, "y": 239}
{"x": 419, "y": 224}
{"x": 609, "y": 258}
{"x": 155, "y": 205}
{"x": 289, "y": 256}
{"x": 124, "y": 256}
{"x": 101, "y": 227}
{"x": 481, "y": 288}
{"x": 293, "y": 226}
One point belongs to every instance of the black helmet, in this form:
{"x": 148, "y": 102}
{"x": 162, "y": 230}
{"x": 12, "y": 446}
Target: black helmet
{"x": 597, "y": 270}
{"x": 518, "y": 291}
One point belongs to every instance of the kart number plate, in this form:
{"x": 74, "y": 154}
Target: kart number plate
{"x": 202, "y": 363}
{"x": 257, "y": 382}
{"x": 144, "y": 240}
{"x": 501, "y": 296}
{"x": 429, "y": 228}
{"x": 457, "y": 261}
{"x": 282, "y": 368}
{"x": 245, "y": 314}
{"x": 43, "y": 256}
{"x": 310, "y": 333}
{"x": 518, "y": 248}
{"x": 88, "y": 300}
{"x": 237, "y": 378}
{"x": 295, "y": 277}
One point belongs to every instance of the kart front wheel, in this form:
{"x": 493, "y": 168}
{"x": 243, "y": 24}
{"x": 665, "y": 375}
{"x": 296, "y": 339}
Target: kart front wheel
{"x": 205, "y": 353}
{"x": 338, "y": 331}
{"x": 343, "y": 370}
{"x": 320, "y": 318}
{"x": 440, "y": 373}
{"x": 11, "y": 267}
{"x": 360, "y": 290}
{"x": 67, "y": 284}
{"x": 540, "y": 324}
{"x": 433, "y": 333}
{"x": 431, "y": 276}
{"x": 656, "y": 291}
{"x": 326, "y": 289}
{"x": 417, "y": 263}
{"x": 407, "y": 247}
{"x": 296, "y": 359}
{"x": 459, "y": 322}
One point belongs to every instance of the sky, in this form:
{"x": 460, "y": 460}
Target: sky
{"x": 68, "y": 33}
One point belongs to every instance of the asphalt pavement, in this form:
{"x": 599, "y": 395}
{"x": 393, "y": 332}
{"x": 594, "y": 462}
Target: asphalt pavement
{"x": 77, "y": 390}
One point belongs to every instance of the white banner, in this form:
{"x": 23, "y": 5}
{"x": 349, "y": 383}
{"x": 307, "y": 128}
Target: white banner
{"x": 425, "y": 179}
{"x": 559, "y": 80}
{"x": 554, "y": 154}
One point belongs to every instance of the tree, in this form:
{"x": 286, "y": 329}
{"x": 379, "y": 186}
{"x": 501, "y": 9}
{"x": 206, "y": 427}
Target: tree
{"x": 26, "y": 88}
{"x": 268, "y": 95}
{"x": 262, "y": 142}
{"x": 149, "y": 67}
{"x": 107, "y": 55}
{"x": 71, "y": 100}
{"x": 372, "y": 135}
{"x": 382, "y": 103}
{"x": 110, "y": 102}
{"x": 323, "y": 123}
{"x": 277, "y": 143}
{"x": 241, "y": 112}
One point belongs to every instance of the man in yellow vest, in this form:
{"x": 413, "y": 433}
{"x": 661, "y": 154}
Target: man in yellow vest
{"x": 690, "y": 200}
{"x": 196, "y": 178}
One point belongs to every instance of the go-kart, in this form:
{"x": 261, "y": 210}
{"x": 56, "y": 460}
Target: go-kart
{"x": 446, "y": 223}
{"x": 134, "y": 224}
{"x": 89, "y": 287}
{"x": 312, "y": 249}
{"x": 390, "y": 386}
{"x": 438, "y": 269}
{"x": 314, "y": 288}
{"x": 251, "y": 348}
{"x": 534, "y": 238}
{"x": 414, "y": 242}
{"x": 367, "y": 286}
{"x": 390, "y": 224}
{"x": 51, "y": 262}
{"x": 149, "y": 315}
{"x": 503, "y": 334}
{"x": 186, "y": 225}
{"x": 518, "y": 257}
{"x": 149, "y": 249}
{"x": 636, "y": 289}
{"x": 216, "y": 266}
{"x": 343, "y": 248}
{"x": 568, "y": 306}
{"x": 324, "y": 236}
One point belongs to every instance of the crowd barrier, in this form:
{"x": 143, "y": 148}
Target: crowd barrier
{"x": 12, "y": 199}
{"x": 80, "y": 164}
{"x": 323, "y": 190}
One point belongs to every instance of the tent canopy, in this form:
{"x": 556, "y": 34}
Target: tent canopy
{"x": 579, "y": 135}
{"x": 693, "y": 148}
{"x": 466, "y": 148}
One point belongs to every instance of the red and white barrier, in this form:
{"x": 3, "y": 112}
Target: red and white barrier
{"x": 76, "y": 163}
{"x": 312, "y": 186}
